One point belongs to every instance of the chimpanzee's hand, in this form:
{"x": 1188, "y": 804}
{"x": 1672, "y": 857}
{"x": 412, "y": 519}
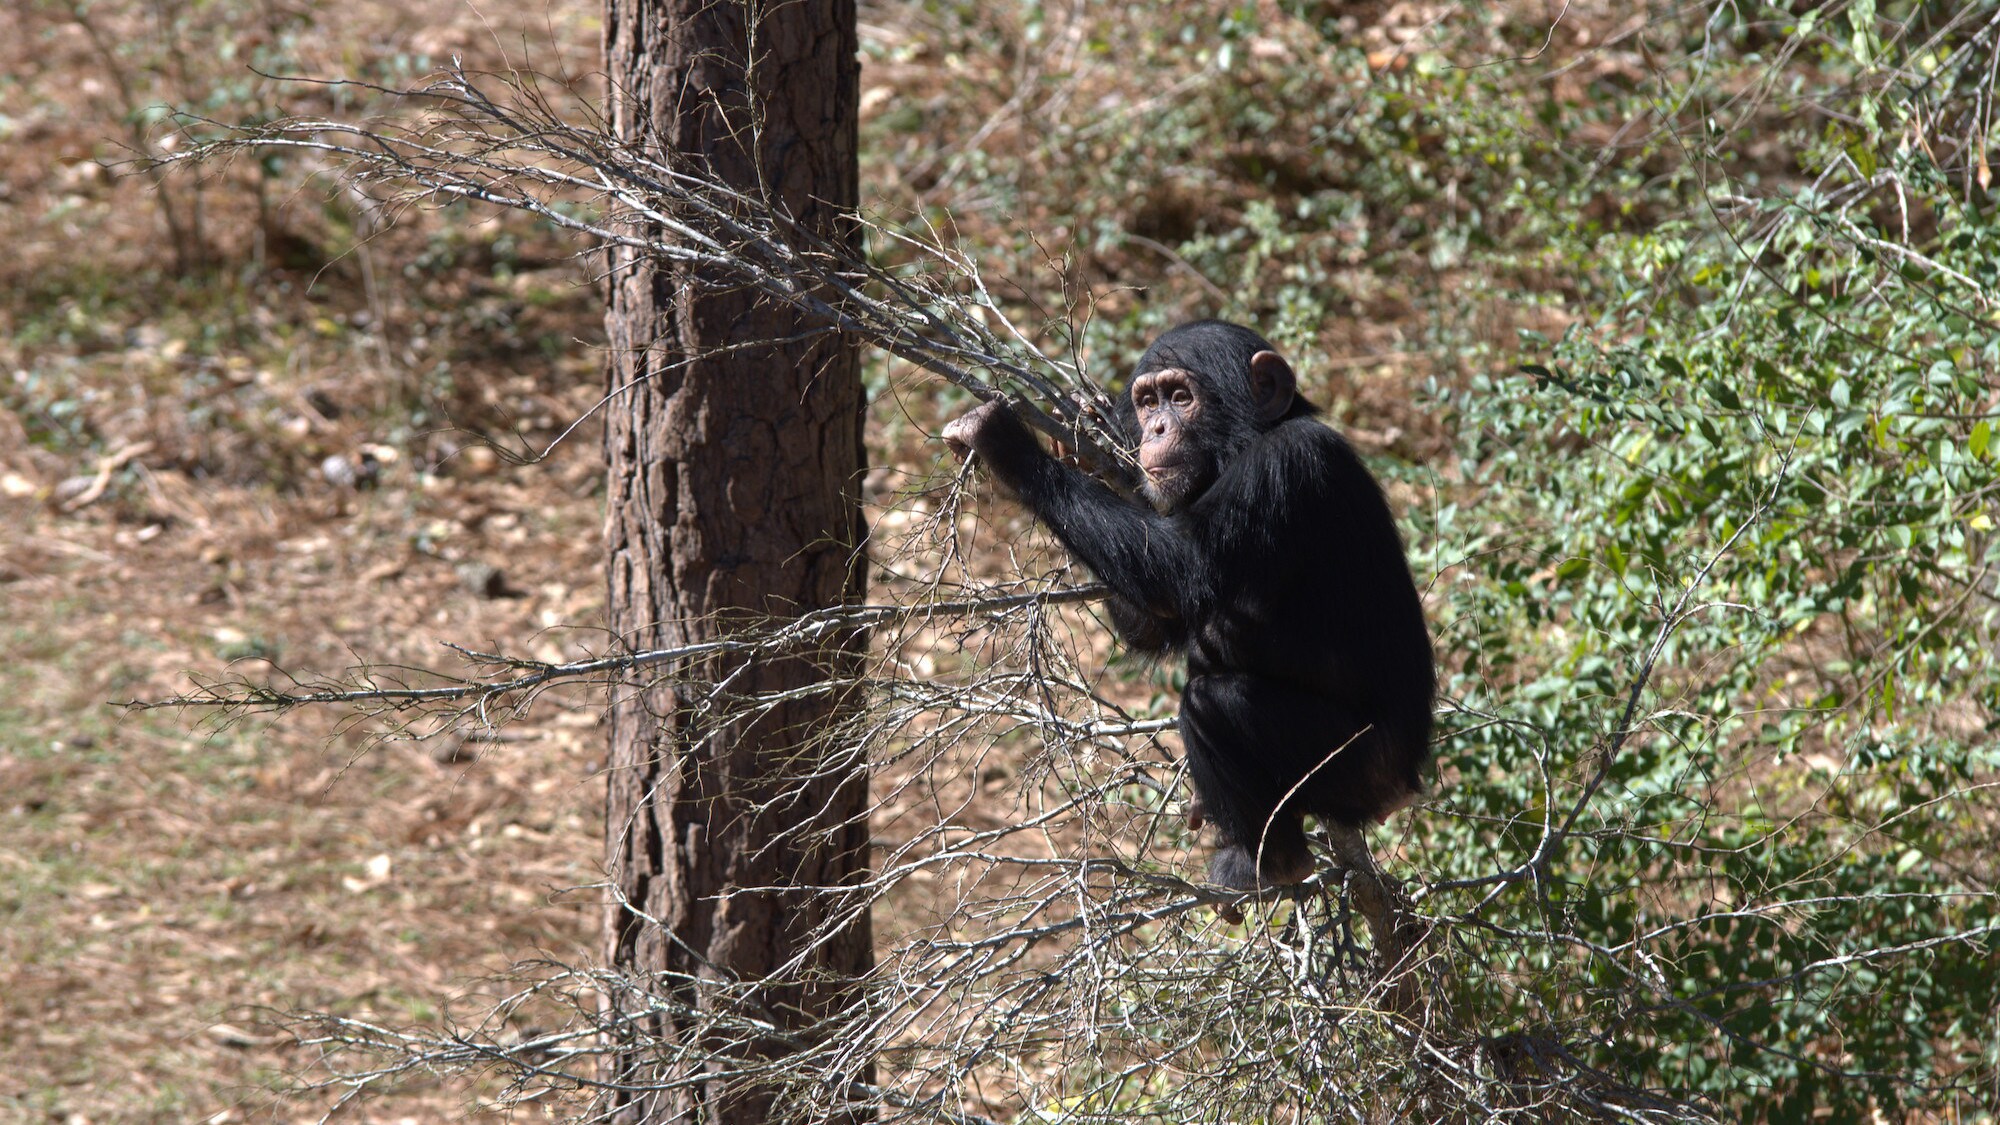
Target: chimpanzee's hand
{"x": 973, "y": 431}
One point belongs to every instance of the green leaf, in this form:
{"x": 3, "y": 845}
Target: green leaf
{"x": 1720, "y": 392}
{"x": 1982, "y": 436}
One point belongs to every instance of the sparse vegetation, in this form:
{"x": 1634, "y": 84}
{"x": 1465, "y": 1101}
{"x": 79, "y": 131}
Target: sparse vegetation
{"x": 1673, "y": 331}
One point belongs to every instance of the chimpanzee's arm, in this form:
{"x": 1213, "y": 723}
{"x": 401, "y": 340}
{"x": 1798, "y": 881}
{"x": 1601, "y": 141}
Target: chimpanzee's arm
{"x": 1149, "y": 560}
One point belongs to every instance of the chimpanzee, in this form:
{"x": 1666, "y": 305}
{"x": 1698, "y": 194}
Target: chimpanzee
{"x": 1267, "y": 555}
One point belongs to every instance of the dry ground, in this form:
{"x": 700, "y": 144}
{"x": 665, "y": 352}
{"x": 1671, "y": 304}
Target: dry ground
{"x": 166, "y": 884}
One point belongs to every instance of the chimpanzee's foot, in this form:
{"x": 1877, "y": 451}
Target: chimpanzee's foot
{"x": 1235, "y": 867}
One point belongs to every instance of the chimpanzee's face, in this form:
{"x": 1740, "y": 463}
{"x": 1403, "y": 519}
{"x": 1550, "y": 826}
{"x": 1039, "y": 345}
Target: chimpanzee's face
{"x": 1169, "y": 405}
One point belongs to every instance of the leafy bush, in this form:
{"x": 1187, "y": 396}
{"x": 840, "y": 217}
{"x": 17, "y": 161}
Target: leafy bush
{"x": 1723, "y": 613}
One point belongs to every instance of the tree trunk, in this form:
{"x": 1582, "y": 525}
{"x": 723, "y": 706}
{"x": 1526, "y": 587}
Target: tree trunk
{"x": 735, "y": 458}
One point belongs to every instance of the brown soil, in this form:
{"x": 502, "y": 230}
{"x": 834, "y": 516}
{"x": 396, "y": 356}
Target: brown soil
{"x": 170, "y": 885}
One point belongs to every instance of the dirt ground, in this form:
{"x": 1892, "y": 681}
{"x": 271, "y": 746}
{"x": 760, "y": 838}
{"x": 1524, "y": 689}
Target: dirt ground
{"x": 172, "y": 882}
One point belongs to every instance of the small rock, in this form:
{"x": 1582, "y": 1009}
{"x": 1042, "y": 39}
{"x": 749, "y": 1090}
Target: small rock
{"x": 340, "y": 472}
{"x": 82, "y": 174}
{"x": 486, "y": 580}
{"x": 478, "y": 461}
{"x": 72, "y": 487}
{"x": 351, "y": 471}
{"x": 229, "y": 1035}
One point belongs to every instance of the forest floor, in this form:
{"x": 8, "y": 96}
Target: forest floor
{"x": 171, "y": 881}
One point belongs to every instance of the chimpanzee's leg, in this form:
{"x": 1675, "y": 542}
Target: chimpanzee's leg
{"x": 1262, "y": 754}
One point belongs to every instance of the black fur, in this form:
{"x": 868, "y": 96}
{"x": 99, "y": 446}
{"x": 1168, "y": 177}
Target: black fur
{"x": 1310, "y": 684}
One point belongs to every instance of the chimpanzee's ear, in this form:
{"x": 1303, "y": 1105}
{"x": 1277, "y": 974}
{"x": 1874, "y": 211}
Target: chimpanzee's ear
{"x": 1272, "y": 385}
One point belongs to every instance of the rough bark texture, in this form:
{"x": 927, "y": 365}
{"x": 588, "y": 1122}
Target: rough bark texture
{"x": 734, "y": 474}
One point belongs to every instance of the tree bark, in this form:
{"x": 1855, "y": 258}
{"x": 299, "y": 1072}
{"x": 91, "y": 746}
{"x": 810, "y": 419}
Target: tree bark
{"x": 734, "y": 455}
